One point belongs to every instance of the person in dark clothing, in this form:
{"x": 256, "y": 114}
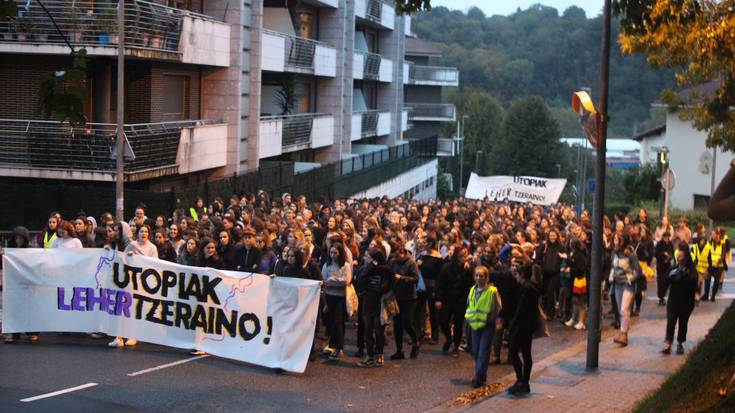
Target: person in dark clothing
{"x": 550, "y": 256}
{"x": 664, "y": 252}
{"x": 294, "y": 266}
{"x": 683, "y": 283}
{"x": 644, "y": 251}
{"x": 523, "y": 325}
{"x": 406, "y": 276}
{"x": 247, "y": 255}
{"x": 509, "y": 290}
{"x": 374, "y": 279}
{"x": 210, "y": 259}
{"x": 452, "y": 287}
{"x": 226, "y": 250}
{"x": 20, "y": 239}
{"x": 165, "y": 249}
{"x": 430, "y": 264}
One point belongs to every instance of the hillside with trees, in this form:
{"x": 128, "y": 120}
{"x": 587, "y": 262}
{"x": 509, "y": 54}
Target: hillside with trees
{"x": 540, "y": 52}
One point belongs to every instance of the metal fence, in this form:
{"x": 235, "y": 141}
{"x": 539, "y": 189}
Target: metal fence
{"x": 373, "y": 10}
{"x": 147, "y": 25}
{"x": 369, "y": 124}
{"x": 296, "y": 128}
{"x": 299, "y": 51}
{"x": 60, "y": 146}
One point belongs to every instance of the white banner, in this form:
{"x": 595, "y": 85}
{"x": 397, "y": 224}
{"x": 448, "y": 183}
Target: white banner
{"x": 542, "y": 191}
{"x": 242, "y": 316}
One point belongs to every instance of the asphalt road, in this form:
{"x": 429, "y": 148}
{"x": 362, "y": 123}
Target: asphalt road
{"x": 211, "y": 384}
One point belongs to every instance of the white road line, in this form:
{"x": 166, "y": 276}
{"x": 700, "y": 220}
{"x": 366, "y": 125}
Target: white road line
{"x": 56, "y": 393}
{"x": 165, "y": 366}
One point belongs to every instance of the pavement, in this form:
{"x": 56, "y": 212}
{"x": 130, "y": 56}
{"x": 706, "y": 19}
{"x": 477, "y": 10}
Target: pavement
{"x": 561, "y": 383}
{"x": 77, "y": 373}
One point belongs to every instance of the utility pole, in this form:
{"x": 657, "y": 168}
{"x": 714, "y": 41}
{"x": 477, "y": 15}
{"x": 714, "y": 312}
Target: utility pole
{"x": 460, "y": 144}
{"x": 712, "y": 184}
{"x": 120, "y": 114}
{"x": 594, "y": 333}
{"x": 477, "y": 162}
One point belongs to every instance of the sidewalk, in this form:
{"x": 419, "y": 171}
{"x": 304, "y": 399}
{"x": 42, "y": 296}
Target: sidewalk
{"x": 560, "y": 383}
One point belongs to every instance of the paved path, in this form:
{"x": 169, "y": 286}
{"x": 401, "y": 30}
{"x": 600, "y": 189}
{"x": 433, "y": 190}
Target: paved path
{"x": 560, "y": 383}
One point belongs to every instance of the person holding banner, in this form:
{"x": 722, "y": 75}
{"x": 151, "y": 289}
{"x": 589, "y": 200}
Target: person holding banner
{"x": 19, "y": 239}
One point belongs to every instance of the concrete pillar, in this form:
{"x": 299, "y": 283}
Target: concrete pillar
{"x": 390, "y": 95}
{"x": 337, "y": 28}
{"x": 251, "y": 114}
{"x": 220, "y": 87}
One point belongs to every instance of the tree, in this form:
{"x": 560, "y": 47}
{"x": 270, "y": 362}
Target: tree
{"x": 529, "y": 141}
{"x": 697, "y": 38}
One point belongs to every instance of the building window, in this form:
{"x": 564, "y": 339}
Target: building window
{"x": 175, "y": 88}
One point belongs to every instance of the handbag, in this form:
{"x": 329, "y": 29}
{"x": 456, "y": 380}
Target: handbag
{"x": 351, "y": 300}
{"x": 388, "y": 308}
{"x": 580, "y": 286}
{"x": 647, "y": 270}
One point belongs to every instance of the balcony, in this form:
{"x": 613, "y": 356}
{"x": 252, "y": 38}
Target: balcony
{"x": 431, "y": 75}
{"x": 445, "y": 147}
{"x": 290, "y": 133}
{"x": 371, "y": 66}
{"x": 376, "y": 13}
{"x": 369, "y": 123}
{"x": 151, "y": 31}
{"x": 431, "y": 112}
{"x": 55, "y": 150}
{"x": 282, "y": 52}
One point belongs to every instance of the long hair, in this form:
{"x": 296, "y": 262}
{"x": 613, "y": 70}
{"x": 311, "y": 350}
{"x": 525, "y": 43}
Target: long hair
{"x": 341, "y": 259}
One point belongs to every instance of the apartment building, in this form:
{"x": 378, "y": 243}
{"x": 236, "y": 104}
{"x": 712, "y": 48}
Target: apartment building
{"x": 215, "y": 88}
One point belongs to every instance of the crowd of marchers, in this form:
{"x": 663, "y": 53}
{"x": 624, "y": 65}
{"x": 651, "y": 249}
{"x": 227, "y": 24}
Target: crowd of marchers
{"x": 469, "y": 275}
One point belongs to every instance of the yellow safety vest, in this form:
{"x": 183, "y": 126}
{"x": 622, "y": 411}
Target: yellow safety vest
{"x": 478, "y": 310}
{"x": 700, "y": 257}
{"x": 48, "y": 240}
{"x": 193, "y": 213}
{"x": 716, "y": 252}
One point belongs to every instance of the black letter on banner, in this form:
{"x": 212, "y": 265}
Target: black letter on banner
{"x": 122, "y": 283}
{"x": 194, "y": 289}
{"x": 166, "y": 312}
{"x": 144, "y": 283}
{"x": 208, "y": 288}
{"x": 244, "y": 333}
{"x": 168, "y": 281}
{"x": 133, "y": 271}
{"x": 229, "y": 325}
{"x": 182, "y": 314}
{"x": 199, "y": 319}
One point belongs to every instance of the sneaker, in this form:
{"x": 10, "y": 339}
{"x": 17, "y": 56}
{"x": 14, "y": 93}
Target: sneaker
{"x": 116, "y": 343}
{"x": 445, "y": 347}
{"x": 398, "y": 355}
{"x": 475, "y": 382}
{"x": 524, "y": 388}
{"x": 8, "y": 338}
{"x": 455, "y": 352}
{"x": 33, "y": 337}
{"x": 667, "y": 348}
{"x": 196, "y": 352}
{"x": 712, "y": 299}
{"x": 661, "y": 302}
{"x": 131, "y": 342}
{"x": 680, "y": 348}
{"x": 415, "y": 351}
{"x": 621, "y": 339}
{"x": 327, "y": 350}
{"x": 569, "y": 323}
{"x": 366, "y": 362}
{"x": 379, "y": 360}
{"x": 335, "y": 355}
{"x": 97, "y": 335}
{"x": 580, "y": 326}
{"x": 514, "y": 388}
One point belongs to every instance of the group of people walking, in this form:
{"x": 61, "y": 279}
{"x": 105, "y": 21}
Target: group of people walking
{"x": 480, "y": 274}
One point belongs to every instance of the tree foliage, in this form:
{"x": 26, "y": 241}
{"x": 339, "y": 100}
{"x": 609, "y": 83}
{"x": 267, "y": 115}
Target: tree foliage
{"x": 697, "y": 38}
{"x": 537, "y": 51}
{"x": 529, "y": 141}
{"x": 63, "y": 93}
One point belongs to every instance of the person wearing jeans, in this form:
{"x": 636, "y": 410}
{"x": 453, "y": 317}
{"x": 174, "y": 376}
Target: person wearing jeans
{"x": 483, "y": 307}
{"x": 337, "y": 274}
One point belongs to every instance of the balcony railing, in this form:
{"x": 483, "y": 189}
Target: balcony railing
{"x": 53, "y": 145}
{"x": 373, "y": 11}
{"x": 431, "y": 111}
{"x": 369, "y": 123}
{"x": 371, "y": 65}
{"x": 433, "y": 75}
{"x": 299, "y": 51}
{"x": 296, "y": 128}
{"x": 147, "y": 25}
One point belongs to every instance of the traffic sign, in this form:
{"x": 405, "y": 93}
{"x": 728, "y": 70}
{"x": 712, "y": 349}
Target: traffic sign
{"x": 591, "y": 185}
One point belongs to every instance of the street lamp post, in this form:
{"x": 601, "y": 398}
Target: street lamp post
{"x": 460, "y": 145}
{"x": 120, "y": 112}
{"x": 663, "y": 157}
{"x": 477, "y": 162}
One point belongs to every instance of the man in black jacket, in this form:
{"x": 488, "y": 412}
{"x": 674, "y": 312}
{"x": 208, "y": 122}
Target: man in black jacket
{"x": 406, "y": 277}
{"x": 664, "y": 252}
{"x": 453, "y": 287}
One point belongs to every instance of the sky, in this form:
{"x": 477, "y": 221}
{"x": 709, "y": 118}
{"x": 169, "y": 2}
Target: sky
{"x": 505, "y": 7}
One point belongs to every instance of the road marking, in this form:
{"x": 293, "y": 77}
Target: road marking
{"x": 165, "y": 366}
{"x": 56, "y": 393}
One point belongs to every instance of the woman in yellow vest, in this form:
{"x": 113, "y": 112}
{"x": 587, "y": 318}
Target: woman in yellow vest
{"x": 483, "y": 307}
{"x": 701, "y": 256}
{"x": 717, "y": 265}
{"x": 50, "y": 233}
